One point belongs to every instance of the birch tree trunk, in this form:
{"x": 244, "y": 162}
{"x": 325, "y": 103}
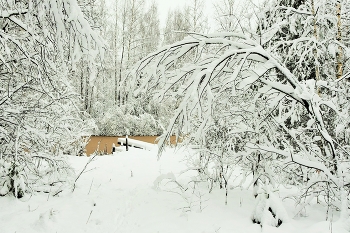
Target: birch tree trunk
{"x": 317, "y": 67}
{"x": 339, "y": 39}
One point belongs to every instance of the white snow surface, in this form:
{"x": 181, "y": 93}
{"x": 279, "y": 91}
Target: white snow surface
{"x": 134, "y": 192}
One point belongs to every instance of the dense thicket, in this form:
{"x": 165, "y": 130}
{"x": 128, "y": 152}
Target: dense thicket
{"x": 40, "y": 119}
{"x": 269, "y": 97}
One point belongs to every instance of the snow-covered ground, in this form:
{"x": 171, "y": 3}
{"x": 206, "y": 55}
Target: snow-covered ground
{"x": 122, "y": 193}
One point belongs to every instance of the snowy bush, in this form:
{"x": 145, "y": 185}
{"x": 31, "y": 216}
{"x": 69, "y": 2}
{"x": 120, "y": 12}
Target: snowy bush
{"x": 40, "y": 43}
{"x": 116, "y": 122}
{"x": 136, "y": 119}
{"x": 269, "y": 209}
{"x": 13, "y": 179}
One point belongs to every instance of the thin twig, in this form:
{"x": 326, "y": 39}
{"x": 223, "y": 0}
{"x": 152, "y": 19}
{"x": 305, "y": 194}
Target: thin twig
{"x": 82, "y": 171}
{"x": 90, "y": 186}
{"x": 89, "y": 217}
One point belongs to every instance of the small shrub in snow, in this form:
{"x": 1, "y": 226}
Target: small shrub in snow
{"x": 188, "y": 189}
{"x": 13, "y": 179}
{"x": 269, "y": 210}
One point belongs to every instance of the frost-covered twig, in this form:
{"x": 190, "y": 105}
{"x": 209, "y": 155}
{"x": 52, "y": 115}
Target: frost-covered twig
{"x": 82, "y": 171}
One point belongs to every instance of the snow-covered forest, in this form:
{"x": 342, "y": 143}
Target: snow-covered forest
{"x": 258, "y": 96}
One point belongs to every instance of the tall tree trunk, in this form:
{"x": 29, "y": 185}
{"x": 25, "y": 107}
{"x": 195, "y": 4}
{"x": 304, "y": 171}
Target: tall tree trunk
{"x": 87, "y": 84}
{"x": 116, "y": 83}
{"x": 130, "y": 32}
{"x": 82, "y": 84}
{"x": 339, "y": 39}
{"x": 317, "y": 67}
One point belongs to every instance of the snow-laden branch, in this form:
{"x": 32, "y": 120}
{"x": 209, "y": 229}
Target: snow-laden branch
{"x": 9, "y": 13}
{"x": 313, "y": 163}
{"x": 232, "y": 57}
{"x": 291, "y": 9}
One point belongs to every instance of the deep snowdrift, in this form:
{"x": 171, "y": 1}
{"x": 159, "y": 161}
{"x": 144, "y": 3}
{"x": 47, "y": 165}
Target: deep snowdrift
{"x": 126, "y": 192}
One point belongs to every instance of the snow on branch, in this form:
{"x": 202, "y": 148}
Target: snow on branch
{"x": 9, "y": 13}
{"x": 292, "y": 157}
{"x": 291, "y": 9}
{"x": 196, "y": 68}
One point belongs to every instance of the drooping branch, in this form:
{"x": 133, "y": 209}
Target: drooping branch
{"x": 254, "y": 64}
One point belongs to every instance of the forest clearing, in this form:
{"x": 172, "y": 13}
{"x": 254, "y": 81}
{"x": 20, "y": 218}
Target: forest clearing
{"x": 255, "y": 92}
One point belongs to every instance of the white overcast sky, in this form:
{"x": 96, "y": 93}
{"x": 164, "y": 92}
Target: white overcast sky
{"x": 165, "y": 5}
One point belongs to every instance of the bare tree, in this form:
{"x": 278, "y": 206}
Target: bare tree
{"x": 177, "y": 24}
{"x": 198, "y": 20}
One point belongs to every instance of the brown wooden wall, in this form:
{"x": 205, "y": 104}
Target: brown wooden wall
{"x": 105, "y": 143}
